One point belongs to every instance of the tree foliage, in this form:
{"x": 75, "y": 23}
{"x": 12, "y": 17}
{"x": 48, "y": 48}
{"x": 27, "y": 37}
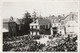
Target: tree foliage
{"x": 26, "y": 21}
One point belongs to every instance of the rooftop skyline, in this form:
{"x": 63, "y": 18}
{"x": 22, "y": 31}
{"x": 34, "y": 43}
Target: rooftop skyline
{"x": 45, "y": 8}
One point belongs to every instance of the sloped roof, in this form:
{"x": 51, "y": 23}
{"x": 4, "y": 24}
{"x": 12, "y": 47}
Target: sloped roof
{"x": 51, "y": 17}
{"x": 17, "y": 21}
{"x": 8, "y": 20}
{"x": 44, "y": 21}
{"x": 11, "y": 20}
{"x": 5, "y": 20}
{"x": 56, "y": 19}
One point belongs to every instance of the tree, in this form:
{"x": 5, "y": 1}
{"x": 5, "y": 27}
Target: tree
{"x": 26, "y": 20}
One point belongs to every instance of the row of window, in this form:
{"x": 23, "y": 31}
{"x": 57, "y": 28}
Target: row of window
{"x": 36, "y": 27}
{"x": 41, "y": 27}
{"x": 44, "y": 26}
{"x": 56, "y": 24}
{"x": 35, "y": 33}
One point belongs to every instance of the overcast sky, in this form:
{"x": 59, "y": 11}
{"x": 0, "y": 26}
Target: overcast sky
{"x": 43, "y": 7}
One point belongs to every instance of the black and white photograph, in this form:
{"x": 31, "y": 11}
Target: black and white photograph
{"x": 40, "y": 26}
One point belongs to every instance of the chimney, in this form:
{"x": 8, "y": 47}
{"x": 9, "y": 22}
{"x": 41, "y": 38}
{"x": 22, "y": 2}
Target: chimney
{"x": 63, "y": 15}
{"x": 71, "y": 15}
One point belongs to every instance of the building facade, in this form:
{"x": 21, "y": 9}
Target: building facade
{"x": 40, "y": 26}
{"x": 12, "y": 27}
{"x": 55, "y": 25}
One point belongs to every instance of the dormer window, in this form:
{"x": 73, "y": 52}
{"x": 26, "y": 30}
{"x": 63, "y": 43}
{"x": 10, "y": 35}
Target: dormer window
{"x": 54, "y": 24}
{"x": 58, "y": 24}
{"x": 53, "y": 21}
{"x": 36, "y": 26}
{"x": 32, "y": 27}
{"x": 35, "y": 22}
{"x": 68, "y": 25}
